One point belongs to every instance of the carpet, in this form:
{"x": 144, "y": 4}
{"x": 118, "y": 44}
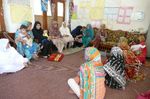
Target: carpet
{"x": 72, "y": 50}
{"x": 48, "y": 80}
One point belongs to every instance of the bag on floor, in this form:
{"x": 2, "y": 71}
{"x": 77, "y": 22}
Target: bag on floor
{"x": 56, "y": 57}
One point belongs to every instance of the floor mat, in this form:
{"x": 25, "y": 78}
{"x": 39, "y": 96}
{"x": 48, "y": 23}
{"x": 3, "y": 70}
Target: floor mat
{"x": 72, "y": 50}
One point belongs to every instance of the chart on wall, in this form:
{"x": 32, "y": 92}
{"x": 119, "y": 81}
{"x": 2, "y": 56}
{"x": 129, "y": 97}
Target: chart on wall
{"x": 20, "y": 13}
{"x": 124, "y": 15}
{"x": 91, "y": 9}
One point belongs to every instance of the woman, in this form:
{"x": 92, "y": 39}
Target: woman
{"x": 56, "y": 37}
{"x": 40, "y": 39}
{"x": 21, "y": 39}
{"x": 103, "y": 33}
{"x": 91, "y": 78}
{"x": 38, "y": 32}
{"x": 77, "y": 31}
{"x": 10, "y": 59}
{"x": 116, "y": 66}
{"x": 35, "y": 46}
{"x": 132, "y": 62}
{"x": 77, "y": 35}
{"x": 143, "y": 51}
{"x": 66, "y": 35}
{"x": 100, "y": 36}
{"x": 88, "y": 35}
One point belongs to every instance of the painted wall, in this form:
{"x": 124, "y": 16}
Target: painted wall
{"x": 137, "y": 5}
{"x": 10, "y": 25}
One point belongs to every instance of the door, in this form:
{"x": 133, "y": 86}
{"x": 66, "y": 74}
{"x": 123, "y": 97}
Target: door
{"x": 2, "y": 24}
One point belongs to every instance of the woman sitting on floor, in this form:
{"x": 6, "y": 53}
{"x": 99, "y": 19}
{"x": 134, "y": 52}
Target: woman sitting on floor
{"x": 140, "y": 49}
{"x": 100, "y": 36}
{"x": 77, "y": 34}
{"x": 65, "y": 33}
{"x": 88, "y": 35}
{"x": 46, "y": 44}
{"x": 25, "y": 43}
{"x": 10, "y": 59}
{"x": 56, "y": 36}
{"x": 132, "y": 62}
{"x": 91, "y": 77}
{"x": 117, "y": 65}
{"x": 35, "y": 46}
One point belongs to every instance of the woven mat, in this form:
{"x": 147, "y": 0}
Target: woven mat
{"x": 72, "y": 50}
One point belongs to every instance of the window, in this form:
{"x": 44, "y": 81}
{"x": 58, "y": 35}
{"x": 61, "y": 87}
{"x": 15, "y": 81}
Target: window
{"x": 37, "y": 8}
{"x": 60, "y": 9}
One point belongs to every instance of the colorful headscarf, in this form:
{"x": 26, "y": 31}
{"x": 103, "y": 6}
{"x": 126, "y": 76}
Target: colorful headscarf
{"x": 26, "y": 23}
{"x": 89, "y": 71}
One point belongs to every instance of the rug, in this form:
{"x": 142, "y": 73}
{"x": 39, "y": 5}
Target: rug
{"x": 72, "y": 50}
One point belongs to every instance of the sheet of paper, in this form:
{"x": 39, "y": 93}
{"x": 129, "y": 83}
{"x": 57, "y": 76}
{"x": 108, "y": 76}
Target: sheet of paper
{"x": 20, "y": 13}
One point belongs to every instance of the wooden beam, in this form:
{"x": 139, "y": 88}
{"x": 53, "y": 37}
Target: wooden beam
{"x": 64, "y": 11}
{"x": 45, "y": 20}
{"x": 55, "y": 11}
{"x": 2, "y": 23}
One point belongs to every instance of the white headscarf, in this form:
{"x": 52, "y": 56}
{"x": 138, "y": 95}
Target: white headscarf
{"x": 3, "y": 44}
{"x": 64, "y": 30}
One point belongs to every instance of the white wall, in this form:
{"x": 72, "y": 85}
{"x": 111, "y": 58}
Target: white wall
{"x": 10, "y": 26}
{"x": 138, "y": 5}
{"x": 148, "y": 42}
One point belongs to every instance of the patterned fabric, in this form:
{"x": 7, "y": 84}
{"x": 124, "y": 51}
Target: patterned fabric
{"x": 92, "y": 75}
{"x": 115, "y": 77}
{"x": 56, "y": 57}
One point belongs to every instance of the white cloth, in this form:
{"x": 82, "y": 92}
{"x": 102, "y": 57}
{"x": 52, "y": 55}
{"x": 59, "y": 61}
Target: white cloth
{"x": 59, "y": 44}
{"x": 137, "y": 47}
{"x": 10, "y": 59}
{"x": 28, "y": 41}
{"x": 65, "y": 31}
{"x": 74, "y": 86}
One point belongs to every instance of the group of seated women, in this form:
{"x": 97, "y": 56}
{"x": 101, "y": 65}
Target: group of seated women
{"x": 93, "y": 74}
{"x": 122, "y": 65}
{"x": 31, "y": 41}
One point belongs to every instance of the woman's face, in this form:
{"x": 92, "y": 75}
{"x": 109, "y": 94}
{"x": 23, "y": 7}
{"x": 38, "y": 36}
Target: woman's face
{"x": 88, "y": 26}
{"x": 55, "y": 25}
{"x": 38, "y": 26}
{"x": 64, "y": 24}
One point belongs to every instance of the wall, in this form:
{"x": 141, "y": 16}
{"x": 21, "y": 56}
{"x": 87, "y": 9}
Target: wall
{"x": 10, "y": 25}
{"x": 148, "y": 42}
{"x": 36, "y": 13}
{"x": 138, "y": 5}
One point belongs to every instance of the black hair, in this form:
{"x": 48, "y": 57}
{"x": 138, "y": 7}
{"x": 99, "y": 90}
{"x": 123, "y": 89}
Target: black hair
{"x": 35, "y": 24}
{"x": 23, "y": 27}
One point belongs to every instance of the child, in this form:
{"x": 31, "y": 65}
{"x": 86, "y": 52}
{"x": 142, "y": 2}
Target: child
{"x": 45, "y": 33}
{"x": 23, "y": 35}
